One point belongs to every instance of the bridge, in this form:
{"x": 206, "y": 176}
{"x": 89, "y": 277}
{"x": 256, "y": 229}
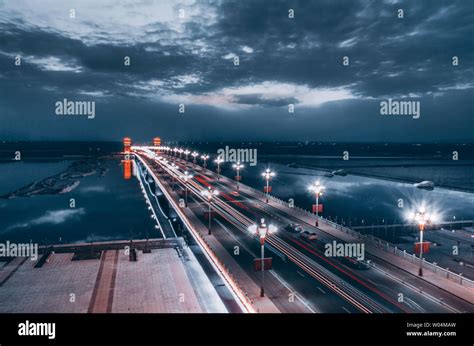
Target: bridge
{"x": 297, "y": 275}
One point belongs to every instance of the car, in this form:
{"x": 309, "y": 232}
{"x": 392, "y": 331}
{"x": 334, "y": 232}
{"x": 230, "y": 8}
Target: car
{"x": 309, "y": 235}
{"x": 294, "y": 228}
{"x": 355, "y": 263}
{"x": 235, "y": 193}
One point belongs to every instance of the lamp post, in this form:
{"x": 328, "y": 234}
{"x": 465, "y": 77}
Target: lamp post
{"x": 194, "y": 155}
{"x": 180, "y": 151}
{"x": 186, "y": 177}
{"x": 268, "y": 174}
{"x": 186, "y": 153}
{"x": 422, "y": 218}
{"x": 262, "y": 231}
{"x": 210, "y": 193}
{"x": 204, "y": 158}
{"x": 173, "y": 166}
{"x": 218, "y": 161}
{"x": 318, "y": 189}
{"x": 175, "y": 151}
{"x": 237, "y": 166}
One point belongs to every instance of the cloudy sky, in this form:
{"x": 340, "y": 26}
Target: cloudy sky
{"x": 183, "y": 52}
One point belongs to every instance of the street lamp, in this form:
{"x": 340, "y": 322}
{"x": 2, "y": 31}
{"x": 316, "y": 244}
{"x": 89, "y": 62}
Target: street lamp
{"x": 237, "y": 166}
{"x": 268, "y": 174}
{"x": 175, "y": 151}
{"x": 194, "y": 155}
{"x": 180, "y": 152}
{"x": 422, "y": 218}
{"x": 209, "y": 194}
{"x": 186, "y": 153}
{"x": 205, "y": 157}
{"x": 218, "y": 161}
{"x": 186, "y": 177}
{"x": 318, "y": 189}
{"x": 263, "y": 231}
{"x": 173, "y": 166}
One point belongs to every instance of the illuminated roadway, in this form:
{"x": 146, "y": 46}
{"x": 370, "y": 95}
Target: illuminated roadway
{"x": 323, "y": 284}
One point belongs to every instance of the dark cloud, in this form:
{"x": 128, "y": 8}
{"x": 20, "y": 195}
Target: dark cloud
{"x": 282, "y": 61}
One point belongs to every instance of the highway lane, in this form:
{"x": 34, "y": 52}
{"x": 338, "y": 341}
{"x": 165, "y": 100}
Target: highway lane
{"x": 331, "y": 281}
{"x": 372, "y": 281}
{"x": 291, "y": 279}
{"x": 277, "y": 287}
{"x": 362, "y": 302}
{"x": 256, "y": 212}
{"x": 396, "y": 281}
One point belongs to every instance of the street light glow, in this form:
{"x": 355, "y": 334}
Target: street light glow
{"x": 238, "y": 166}
{"x": 218, "y": 161}
{"x": 262, "y": 231}
{"x": 209, "y": 193}
{"x": 268, "y": 174}
{"x": 422, "y": 218}
{"x": 316, "y": 187}
{"x": 186, "y": 176}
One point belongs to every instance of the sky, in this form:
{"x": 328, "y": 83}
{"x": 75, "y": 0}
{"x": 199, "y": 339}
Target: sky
{"x": 184, "y": 53}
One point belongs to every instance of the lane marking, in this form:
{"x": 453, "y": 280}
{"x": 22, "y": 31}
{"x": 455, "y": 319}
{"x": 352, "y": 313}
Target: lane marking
{"x": 322, "y": 291}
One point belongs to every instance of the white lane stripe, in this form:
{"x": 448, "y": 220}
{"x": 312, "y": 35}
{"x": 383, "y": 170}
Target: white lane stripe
{"x": 319, "y": 288}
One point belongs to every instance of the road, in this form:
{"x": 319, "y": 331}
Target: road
{"x": 323, "y": 284}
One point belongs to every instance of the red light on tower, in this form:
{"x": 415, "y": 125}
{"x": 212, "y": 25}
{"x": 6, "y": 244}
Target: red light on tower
{"x": 156, "y": 141}
{"x": 127, "y": 143}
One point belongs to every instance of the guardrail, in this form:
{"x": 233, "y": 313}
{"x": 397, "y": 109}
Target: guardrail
{"x": 391, "y": 248}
